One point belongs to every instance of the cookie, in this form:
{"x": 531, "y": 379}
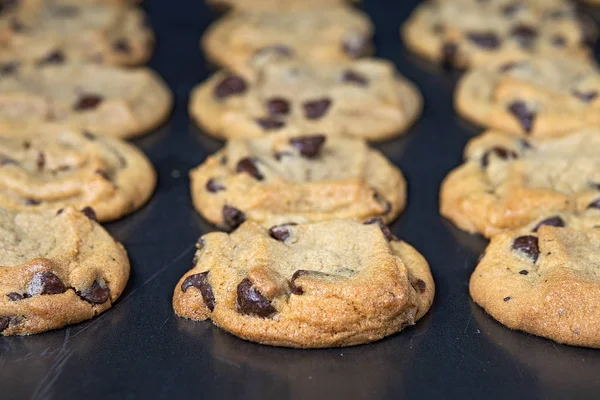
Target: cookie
{"x": 299, "y": 179}
{"x": 100, "y": 99}
{"x": 543, "y": 282}
{"x": 537, "y": 96}
{"x": 507, "y": 182}
{"x": 57, "y": 270}
{"x": 468, "y": 33}
{"x": 329, "y": 34}
{"x": 53, "y": 32}
{"x": 364, "y": 99}
{"x": 51, "y": 167}
{"x": 325, "y": 284}
{"x": 274, "y": 5}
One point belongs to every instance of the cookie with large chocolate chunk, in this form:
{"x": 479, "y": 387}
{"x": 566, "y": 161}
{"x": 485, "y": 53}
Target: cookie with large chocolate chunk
{"x": 56, "y": 269}
{"x": 469, "y": 33}
{"x": 326, "y": 284}
{"x": 537, "y": 97}
{"x": 101, "y": 99}
{"x": 298, "y": 178}
{"x": 363, "y": 99}
{"x": 507, "y": 183}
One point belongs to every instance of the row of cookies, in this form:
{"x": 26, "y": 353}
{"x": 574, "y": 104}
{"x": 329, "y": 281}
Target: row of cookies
{"x": 310, "y": 261}
{"x": 530, "y": 183}
{"x": 67, "y": 98}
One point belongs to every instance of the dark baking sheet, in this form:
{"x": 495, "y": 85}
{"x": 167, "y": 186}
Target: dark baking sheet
{"x": 140, "y": 349}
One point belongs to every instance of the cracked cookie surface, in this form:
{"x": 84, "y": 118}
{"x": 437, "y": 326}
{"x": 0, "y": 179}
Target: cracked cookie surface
{"x": 50, "y": 167}
{"x": 329, "y": 34}
{"x": 544, "y": 282}
{"x": 506, "y": 182}
{"x": 363, "y": 99}
{"x": 538, "y": 97}
{"x": 296, "y": 179}
{"x": 56, "y": 270}
{"x": 100, "y": 99}
{"x": 468, "y": 33}
{"x": 327, "y": 284}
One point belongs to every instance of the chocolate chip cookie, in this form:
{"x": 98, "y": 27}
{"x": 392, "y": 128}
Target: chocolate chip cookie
{"x": 537, "y": 96}
{"x": 325, "y": 284}
{"x": 296, "y": 179}
{"x": 100, "y": 99}
{"x": 54, "y": 32}
{"x": 543, "y": 282}
{"x": 51, "y": 167}
{"x": 467, "y": 33}
{"x": 364, "y": 99}
{"x": 506, "y": 182}
{"x": 57, "y": 269}
{"x": 329, "y": 34}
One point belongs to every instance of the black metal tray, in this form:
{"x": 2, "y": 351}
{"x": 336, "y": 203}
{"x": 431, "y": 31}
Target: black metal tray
{"x": 140, "y": 349}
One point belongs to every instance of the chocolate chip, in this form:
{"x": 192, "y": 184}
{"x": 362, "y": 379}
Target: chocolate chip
{"x": 522, "y": 112}
{"x": 552, "y": 221}
{"x": 60, "y": 211}
{"x": 507, "y": 298}
{"x": 500, "y": 152}
{"x": 356, "y": 45}
{"x": 269, "y": 124}
{"x": 527, "y": 245}
{"x": 89, "y": 136}
{"x": 487, "y": 40}
{"x": 449, "y": 53}
{"x": 278, "y": 106}
{"x": 594, "y": 204}
{"x": 281, "y": 232}
{"x": 384, "y": 228}
{"x": 4, "y": 322}
{"x": 419, "y": 285}
{"x": 248, "y": 165}
{"x": 355, "y": 78}
{"x": 122, "y": 46}
{"x": 32, "y": 202}
{"x": 88, "y": 102}
{"x": 95, "y": 294}
{"x": 9, "y": 68}
{"x": 315, "y": 109}
{"x": 525, "y": 35}
{"x": 558, "y": 41}
{"x": 524, "y": 272}
{"x": 47, "y": 283}
{"x": 213, "y": 187}
{"x": 200, "y": 282}
{"x": 56, "y": 57}
{"x": 90, "y": 213}
{"x": 233, "y": 217}
{"x": 586, "y": 97}
{"x": 308, "y": 146}
{"x": 251, "y": 301}
{"x": 14, "y": 296}
{"x": 229, "y": 86}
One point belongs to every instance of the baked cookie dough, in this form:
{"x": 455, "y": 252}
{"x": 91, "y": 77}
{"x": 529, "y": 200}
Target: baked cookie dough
{"x": 57, "y": 269}
{"x": 507, "y": 182}
{"x": 469, "y": 33}
{"x": 363, "y": 99}
{"x": 100, "y": 99}
{"x": 296, "y": 179}
{"x": 543, "y": 282}
{"x": 536, "y": 97}
{"x": 52, "y": 167}
{"x": 330, "y": 34}
{"x": 326, "y": 284}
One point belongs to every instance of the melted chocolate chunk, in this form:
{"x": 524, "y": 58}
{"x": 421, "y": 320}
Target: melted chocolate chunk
{"x": 586, "y": 97}
{"x": 552, "y": 221}
{"x": 248, "y": 165}
{"x": 281, "y": 232}
{"x": 524, "y": 272}
{"x": 47, "y": 283}
{"x": 315, "y": 109}
{"x": 122, "y": 46}
{"x": 527, "y": 245}
{"x": 14, "y": 296}
{"x": 384, "y": 228}
{"x": 522, "y": 112}
{"x": 251, "y": 301}
{"x": 95, "y": 294}
{"x": 354, "y": 78}
{"x": 89, "y": 136}
{"x": 595, "y": 204}
{"x": 233, "y": 217}
{"x": 269, "y": 124}
{"x": 230, "y": 86}
{"x": 278, "y": 106}
{"x": 88, "y": 102}
{"x": 56, "y": 57}
{"x": 32, "y": 202}
{"x": 90, "y": 213}
{"x": 200, "y": 282}
{"x": 486, "y": 40}
{"x": 213, "y": 187}
{"x": 4, "y": 322}
{"x": 525, "y": 35}
{"x": 500, "y": 152}
{"x": 449, "y": 53}
{"x": 308, "y": 146}
{"x": 507, "y": 298}
{"x": 419, "y": 285}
